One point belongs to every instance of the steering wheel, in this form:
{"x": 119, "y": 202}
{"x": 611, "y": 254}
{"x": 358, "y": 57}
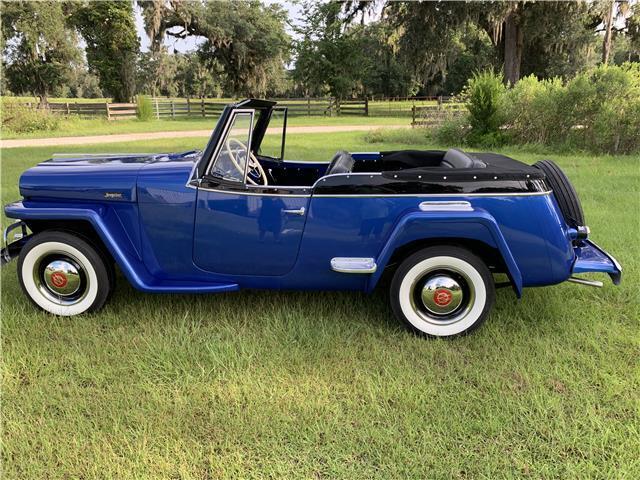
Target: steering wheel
{"x": 254, "y": 165}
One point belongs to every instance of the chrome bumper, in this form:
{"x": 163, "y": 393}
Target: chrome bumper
{"x": 11, "y": 250}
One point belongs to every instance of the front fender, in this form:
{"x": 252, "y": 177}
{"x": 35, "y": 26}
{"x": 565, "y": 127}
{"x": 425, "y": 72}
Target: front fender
{"x": 474, "y": 224}
{"x": 104, "y": 221}
{"x": 110, "y": 229}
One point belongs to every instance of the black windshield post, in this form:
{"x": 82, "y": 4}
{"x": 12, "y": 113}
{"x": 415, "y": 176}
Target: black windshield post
{"x": 284, "y": 129}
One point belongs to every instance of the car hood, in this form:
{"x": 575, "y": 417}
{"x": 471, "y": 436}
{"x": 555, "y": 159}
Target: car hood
{"x": 111, "y": 177}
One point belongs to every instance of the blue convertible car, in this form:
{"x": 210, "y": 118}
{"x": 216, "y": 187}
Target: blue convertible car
{"x": 446, "y": 228}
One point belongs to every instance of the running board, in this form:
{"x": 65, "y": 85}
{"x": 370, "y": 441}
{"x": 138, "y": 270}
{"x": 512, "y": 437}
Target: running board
{"x": 353, "y": 265}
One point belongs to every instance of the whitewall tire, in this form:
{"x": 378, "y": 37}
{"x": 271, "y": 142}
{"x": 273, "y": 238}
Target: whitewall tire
{"x": 63, "y": 275}
{"x": 442, "y": 292}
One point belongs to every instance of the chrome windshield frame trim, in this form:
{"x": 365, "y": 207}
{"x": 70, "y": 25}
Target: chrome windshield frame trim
{"x": 223, "y": 137}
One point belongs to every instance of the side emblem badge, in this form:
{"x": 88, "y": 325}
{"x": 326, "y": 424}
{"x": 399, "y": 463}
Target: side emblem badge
{"x": 112, "y": 195}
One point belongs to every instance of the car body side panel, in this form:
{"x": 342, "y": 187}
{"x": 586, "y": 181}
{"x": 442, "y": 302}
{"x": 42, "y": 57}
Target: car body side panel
{"x": 248, "y": 234}
{"x": 476, "y": 224}
{"x": 360, "y": 226}
{"x": 107, "y": 224}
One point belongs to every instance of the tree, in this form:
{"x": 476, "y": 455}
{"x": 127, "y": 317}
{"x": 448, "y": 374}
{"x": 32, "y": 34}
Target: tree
{"x": 245, "y": 41}
{"x": 330, "y": 55}
{"x": 38, "y": 46}
{"x": 109, "y": 31}
{"x": 156, "y": 73}
{"x": 429, "y": 31}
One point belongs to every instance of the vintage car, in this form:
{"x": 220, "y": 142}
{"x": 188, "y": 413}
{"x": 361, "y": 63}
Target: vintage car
{"x": 446, "y": 228}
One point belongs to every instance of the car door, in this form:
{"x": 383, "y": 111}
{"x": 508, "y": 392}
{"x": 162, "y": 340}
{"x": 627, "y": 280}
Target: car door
{"x": 242, "y": 229}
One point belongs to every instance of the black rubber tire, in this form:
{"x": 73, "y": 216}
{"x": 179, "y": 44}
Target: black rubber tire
{"x": 104, "y": 274}
{"x": 565, "y": 194}
{"x": 448, "y": 251}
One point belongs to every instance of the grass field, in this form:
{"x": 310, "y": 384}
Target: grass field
{"x": 73, "y": 126}
{"x": 327, "y": 385}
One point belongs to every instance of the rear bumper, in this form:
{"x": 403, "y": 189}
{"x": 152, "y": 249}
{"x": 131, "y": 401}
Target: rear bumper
{"x": 591, "y": 258}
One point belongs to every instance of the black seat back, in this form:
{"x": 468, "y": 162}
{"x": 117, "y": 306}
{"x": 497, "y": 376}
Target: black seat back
{"x": 455, "y": 158}
{"x": 342, "y": 162}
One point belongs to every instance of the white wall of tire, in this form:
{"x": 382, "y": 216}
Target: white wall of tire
{"x": 29, "y": 263}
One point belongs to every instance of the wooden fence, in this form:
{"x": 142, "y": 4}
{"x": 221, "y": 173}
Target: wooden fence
{"x": 164, "y": 108}
{"x": 185, "y": 107}
{"x": 429, "y": 116}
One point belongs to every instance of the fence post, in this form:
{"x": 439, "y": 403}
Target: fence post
{"x": 366, "y": 106}
{"x": 413, "y": 114}
{"x": 173, "y": 110}
{"x": 106, "y": 105}
{"x": 67, "y": 105}
{"x": 188, "y": 107}
{"x": 309, "y": 106}
{"x": 202, "y": 107}
{"x": 439, "y": 102}
{"x": 157, "y": 109}
{"x": 337, "y": 106}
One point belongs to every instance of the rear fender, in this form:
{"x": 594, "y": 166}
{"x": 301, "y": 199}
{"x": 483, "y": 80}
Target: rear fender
{"x": 472, "y": 224}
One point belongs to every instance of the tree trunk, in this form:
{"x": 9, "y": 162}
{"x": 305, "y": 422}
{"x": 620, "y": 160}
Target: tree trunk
{"x": 513, "y": 43}
{"x": 606, "y": 44}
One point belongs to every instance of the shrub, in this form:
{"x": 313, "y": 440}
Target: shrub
{"x": 535, "y": 111}
{"x": 598, "y": 111}
{"x": 485, "y": 98}
{"x": 22, "y": 119}
{"x": 606, "y": 108}
{"x": 453, "y": 132}
{"x": 145, "y": 108}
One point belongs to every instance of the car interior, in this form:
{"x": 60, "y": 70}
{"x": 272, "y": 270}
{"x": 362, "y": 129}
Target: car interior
{"x": 278, "y": 173}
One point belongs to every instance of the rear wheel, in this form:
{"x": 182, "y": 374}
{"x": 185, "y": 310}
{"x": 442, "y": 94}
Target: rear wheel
{"x": 63, "y": 274}
{"x": 442, "y": 292}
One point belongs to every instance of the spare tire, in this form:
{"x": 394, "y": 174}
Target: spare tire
{"x": 564, "y": 192}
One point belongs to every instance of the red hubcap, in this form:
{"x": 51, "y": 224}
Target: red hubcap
{"x": 442, "y": 297}
{"x": 59, "y": 279}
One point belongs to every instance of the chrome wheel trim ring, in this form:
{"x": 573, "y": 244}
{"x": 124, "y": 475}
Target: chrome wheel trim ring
{"x": 446, "y": 279}
{"x": 61, "y": 278}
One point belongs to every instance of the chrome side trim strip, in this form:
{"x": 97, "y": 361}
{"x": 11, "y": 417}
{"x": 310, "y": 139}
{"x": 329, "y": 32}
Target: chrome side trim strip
{"x": 584, "y": 281}
{"x": 252, "y": 194}
{"x": 350, "y": 174}
{"x": 353, "y": 265}
{"x": 388, "y": 195}
{"x": 441, "y": 195}
{"x": 453, "y": 206}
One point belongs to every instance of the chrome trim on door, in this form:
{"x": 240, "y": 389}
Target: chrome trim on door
{"x": 353, "y": 265}
{"x": 296, "y": 211}
{"x": 446, "y": 206}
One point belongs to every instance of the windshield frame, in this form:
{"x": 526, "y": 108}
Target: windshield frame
{"x": 223, "y": 138}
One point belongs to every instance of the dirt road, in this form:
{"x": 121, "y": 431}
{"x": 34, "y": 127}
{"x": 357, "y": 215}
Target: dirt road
{"x": 133, "y": 137}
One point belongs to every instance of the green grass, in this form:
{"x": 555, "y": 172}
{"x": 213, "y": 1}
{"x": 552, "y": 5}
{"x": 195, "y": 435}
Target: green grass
{"x": 74, "y": 126}
{"x": 327, "y": 385}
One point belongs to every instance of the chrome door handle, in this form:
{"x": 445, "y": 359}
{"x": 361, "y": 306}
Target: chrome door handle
{"x": 298, "y": 211}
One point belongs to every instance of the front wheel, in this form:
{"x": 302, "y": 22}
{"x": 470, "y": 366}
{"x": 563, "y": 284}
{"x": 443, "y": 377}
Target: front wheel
{"x": 63, "y": 274}
{"x": 442, "y": 292}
